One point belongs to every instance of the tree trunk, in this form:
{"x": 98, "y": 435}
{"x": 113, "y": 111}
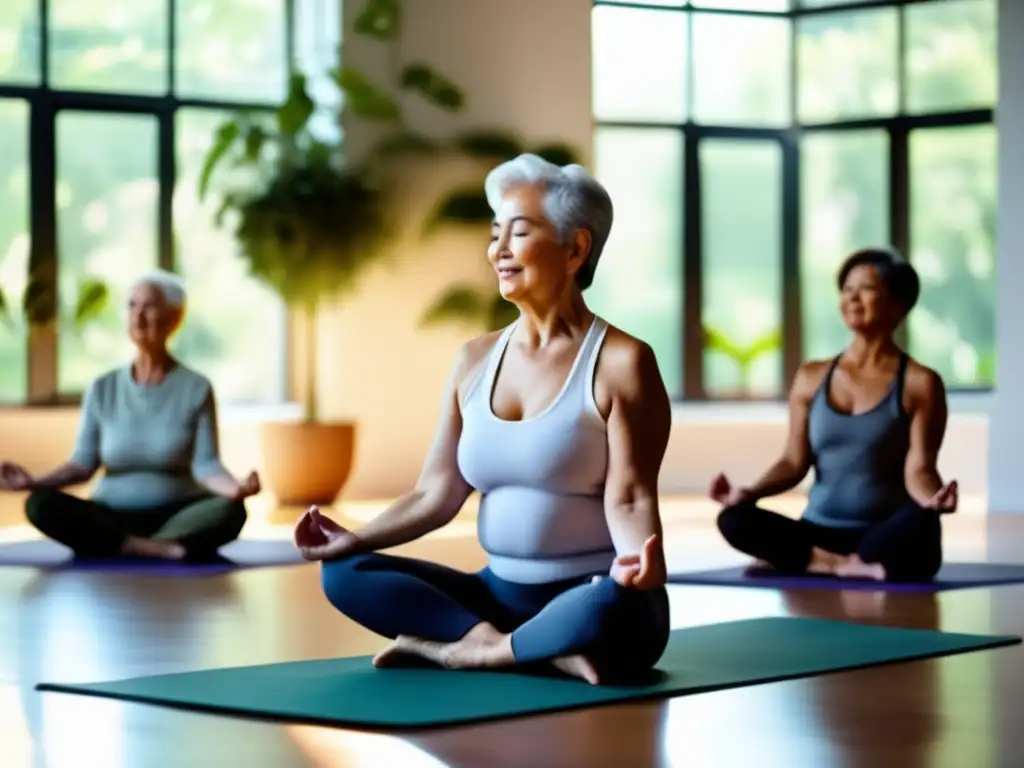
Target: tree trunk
{"x": 310, "y": 406}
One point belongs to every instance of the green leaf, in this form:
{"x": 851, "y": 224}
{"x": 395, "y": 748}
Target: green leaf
{"x": 743, "y": 356}
{"x": 770, "y": 342}
{"x": 404, "y": 144}
{"x": 380, "y": 19}
{"x": 433, "y": 86}
{"x": 39, "y": 301}
{"x": 92, "y": 300}
{"x": 460, "y": 303}
{"x": 224, "y": 138}
{"x": 297, "y": 108}
{"x": 5, "y": 309}
{"x": 255, "y": 137}
{"x": 489, "y": 145}
{"x": 363, "y": 98}
{"x": 465, "y": 206}
{"x": 501, "y": 313}
{"x": 559, "y": 154}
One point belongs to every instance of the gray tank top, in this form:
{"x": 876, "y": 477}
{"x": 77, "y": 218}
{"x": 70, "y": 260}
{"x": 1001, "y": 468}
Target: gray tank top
{"x": 541, "y": 516}
{"x": 858, "y": 459}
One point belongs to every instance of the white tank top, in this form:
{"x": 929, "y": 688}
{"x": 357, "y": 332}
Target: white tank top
{"x": 541, "y": 516}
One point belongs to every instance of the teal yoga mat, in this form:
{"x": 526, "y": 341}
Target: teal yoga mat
{"x": 350, "y": 692}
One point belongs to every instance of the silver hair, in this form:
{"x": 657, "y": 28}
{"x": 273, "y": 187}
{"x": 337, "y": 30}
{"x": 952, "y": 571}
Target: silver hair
{"x": 573, "y": 200}
{"x": 170, "y": 285}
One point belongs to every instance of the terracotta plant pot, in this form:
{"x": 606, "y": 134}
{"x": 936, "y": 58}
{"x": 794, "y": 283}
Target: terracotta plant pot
{"x": 306, "y": 463}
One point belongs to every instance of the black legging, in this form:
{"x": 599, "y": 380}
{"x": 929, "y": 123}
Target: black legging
{"x": 908, "y": 544}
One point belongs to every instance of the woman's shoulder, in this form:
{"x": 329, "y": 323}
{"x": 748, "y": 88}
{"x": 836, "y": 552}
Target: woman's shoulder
{"x": 472, "y": 356}
{"x": 627, "y": 360}
{"x": 810, "y": 376}
{"x": 922, "y": 382}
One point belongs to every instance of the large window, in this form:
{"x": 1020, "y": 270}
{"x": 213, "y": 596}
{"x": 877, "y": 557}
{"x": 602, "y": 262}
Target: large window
{"x": 106, "y": 110}
{"x": 750, "y": 145}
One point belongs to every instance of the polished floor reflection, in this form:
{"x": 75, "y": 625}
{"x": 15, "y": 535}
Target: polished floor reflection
{"x": 958, "y": 712}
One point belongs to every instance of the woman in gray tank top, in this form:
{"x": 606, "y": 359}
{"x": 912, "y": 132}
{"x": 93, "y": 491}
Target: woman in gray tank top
{"x": 560, "y": 422}
{"x": 870, "y": 422}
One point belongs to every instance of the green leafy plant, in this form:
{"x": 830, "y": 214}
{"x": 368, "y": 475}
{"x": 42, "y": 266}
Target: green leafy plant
{"x": 39, "y": 307}
{"x": 745, "y": 355}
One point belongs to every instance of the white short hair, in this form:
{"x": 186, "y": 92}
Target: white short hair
{"x": 573, "y": 200}
{"x": 170, "y": 286}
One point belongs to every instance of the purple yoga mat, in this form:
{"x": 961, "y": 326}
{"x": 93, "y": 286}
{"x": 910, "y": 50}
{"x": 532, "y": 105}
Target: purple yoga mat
{"x": 951, "y": 576}
{"x": 49, "y": 555}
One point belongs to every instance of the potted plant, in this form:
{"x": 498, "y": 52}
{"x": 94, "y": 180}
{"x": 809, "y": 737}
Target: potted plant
{"x": 310, "y": 220}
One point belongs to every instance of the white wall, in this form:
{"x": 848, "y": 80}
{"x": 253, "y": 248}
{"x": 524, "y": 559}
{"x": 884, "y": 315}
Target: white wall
{"x": 1006, "y": 490}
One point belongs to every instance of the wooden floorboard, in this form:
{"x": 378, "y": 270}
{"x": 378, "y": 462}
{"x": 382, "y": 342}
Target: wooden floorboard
{"x": 958, "y": 712}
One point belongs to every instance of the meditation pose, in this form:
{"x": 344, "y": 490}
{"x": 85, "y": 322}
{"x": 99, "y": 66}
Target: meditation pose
{"x": 871, "y": 423}
{"x": 560, "y": 421}
{"x": 152, "y": 426}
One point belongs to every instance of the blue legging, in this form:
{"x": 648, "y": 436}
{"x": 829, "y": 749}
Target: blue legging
{"x": 623, "y": 632}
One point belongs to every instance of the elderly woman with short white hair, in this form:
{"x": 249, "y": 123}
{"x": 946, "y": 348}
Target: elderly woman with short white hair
{"x": 560, "y": 421}
{"x": 152, "y": 426}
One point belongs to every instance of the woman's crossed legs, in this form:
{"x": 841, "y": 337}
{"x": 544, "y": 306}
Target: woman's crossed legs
{"x": 589, "y": 628}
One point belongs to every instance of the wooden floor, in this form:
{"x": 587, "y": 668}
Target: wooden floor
{"x": 960, "y": 712}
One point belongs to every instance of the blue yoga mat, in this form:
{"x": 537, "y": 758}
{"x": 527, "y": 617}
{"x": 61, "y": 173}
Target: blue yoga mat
{"x": 350, "y": 692}
{"x": 951, "y": 576}
{"x": 49, "y": 555}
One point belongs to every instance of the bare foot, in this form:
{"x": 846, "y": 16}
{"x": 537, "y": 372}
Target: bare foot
{"x": 394, "y": 655}
{"x": 482, "y": 647}
{"x": 167, "y": 550}
{"x": 576, "y": 666}
{"x": 853, "y": 567}
{"x": 824, "y": 562}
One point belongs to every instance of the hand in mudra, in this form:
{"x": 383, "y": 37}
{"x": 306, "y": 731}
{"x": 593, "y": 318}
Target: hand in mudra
{"x": 723, "y": 491}
{"x": 945, "y": 499}
{"x": 642, "y": 571}
{"x": 250, "y": 486}
{"x": 14, "y": 477}
{"x": 317, "y": 537}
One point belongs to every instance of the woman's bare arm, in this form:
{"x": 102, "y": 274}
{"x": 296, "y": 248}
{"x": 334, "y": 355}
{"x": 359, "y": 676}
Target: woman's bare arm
{"x": 441, "y": 490}
{"x": 639, "y": 424}
{"x": 928, "y": 411}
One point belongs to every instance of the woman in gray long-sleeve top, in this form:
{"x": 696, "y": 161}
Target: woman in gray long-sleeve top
{"x": 871, "y": 423}
{"x": 152, "y": 426}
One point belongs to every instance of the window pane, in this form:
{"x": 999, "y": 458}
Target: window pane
{"x": 952, "y": 230}
{"x": 107, "y": 197}
{"x": 639, "y": 285}
{"x": 825, "y": 3}
{"x": 951, "y": 55}
{"x": 741, "y": 221}
{"x": 14, "y": 246}
{"x": 232, "y": 50}
{"x": 19, "y": 41}
{"x": 844, "y": 205}
{"x": 119, "y": 45}
{"x": 848, "y": 65}
{"x": 744, "y": 5}
{"x": 741, "y": 69}
{"x": 639, "y": 64}
{"x": 317, "y": 49}
{"x": 234, "y": 331}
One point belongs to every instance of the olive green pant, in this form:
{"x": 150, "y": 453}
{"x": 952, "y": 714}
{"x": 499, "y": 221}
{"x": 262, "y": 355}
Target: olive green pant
{"x": 92, "y": 529}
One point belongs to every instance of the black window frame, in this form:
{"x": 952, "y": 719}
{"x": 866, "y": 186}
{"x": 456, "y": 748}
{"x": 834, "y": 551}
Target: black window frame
{"x": 44, "y": 105}
{"x": 898, "y": 128}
